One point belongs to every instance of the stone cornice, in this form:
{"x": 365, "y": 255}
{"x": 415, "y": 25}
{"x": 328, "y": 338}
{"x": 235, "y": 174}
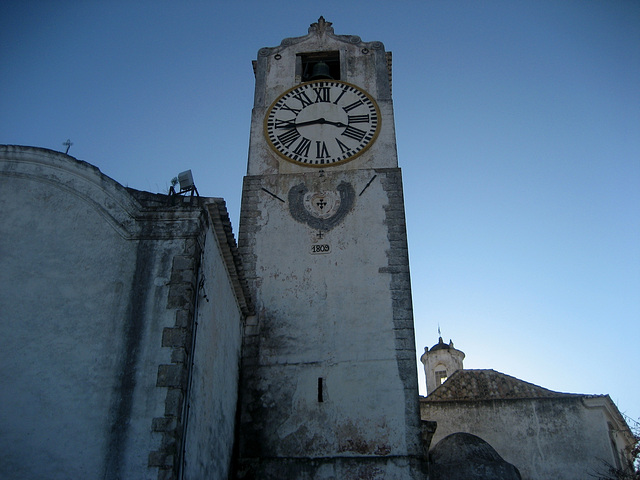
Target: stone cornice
{"x": 321, "y": 28}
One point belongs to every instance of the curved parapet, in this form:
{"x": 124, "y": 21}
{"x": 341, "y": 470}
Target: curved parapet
{"x": 120, "y": 207}
{"x": 321, "y": 28}
{"x": 81, "y": 179}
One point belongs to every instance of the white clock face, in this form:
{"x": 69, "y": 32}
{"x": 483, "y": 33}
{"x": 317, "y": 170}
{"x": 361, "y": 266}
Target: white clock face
{"x": 322, "y": 123}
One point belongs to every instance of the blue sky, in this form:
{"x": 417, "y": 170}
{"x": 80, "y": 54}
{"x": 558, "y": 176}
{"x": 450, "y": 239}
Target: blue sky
{"x": 518, "y": 127}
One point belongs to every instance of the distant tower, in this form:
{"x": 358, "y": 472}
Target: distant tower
{"x": 440, "y": 362}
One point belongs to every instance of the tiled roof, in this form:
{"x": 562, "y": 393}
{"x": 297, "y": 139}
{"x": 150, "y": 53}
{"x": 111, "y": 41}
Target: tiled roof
{"x": 475, "y": 385}
{"x": 229, "y": 249}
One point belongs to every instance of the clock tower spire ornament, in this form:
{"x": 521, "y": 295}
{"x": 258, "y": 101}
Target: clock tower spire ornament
{"x": 329, "y": 377}
{"x": 321, "y": 26}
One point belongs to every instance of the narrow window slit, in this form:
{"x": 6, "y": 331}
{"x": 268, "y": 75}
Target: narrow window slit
{"x": 320, "y": 395}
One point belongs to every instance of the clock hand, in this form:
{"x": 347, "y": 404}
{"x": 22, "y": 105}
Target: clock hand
{"x": 320, "y": 121}
{"x": 309, "y": 122}
{"x": 335, "y": 124}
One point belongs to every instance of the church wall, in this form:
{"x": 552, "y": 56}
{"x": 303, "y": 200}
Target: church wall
{"x": 151, "y": 363}
{"x": 544, "y": 438}
{"x": 98, "y": 297}
{"x": 214, "y": 387}
{"x": 66, "y": 276}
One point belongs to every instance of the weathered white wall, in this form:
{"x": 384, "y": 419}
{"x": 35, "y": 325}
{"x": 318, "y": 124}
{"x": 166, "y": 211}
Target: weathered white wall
{"x": 67, "y": 320}
{"x": 558, "y": 439}
{"x": 214, "y": 387}
{"x": 342, "y": 316}
{"x": 65, "y": 279}
{"x": 330, "y": 316}
{"x": 97, "y": 304}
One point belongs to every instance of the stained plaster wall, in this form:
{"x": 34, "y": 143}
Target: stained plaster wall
{"x": 213, "y": 394}
{"x": 66, "y": 278}
{"x": 344, "y": 317}
{"x": 329, "y": 313}
{"x": 557, "y": 438}
{"x": 98, "y": 287}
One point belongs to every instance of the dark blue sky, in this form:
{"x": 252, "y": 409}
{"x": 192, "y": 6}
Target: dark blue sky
{"x": 518, "y": 128}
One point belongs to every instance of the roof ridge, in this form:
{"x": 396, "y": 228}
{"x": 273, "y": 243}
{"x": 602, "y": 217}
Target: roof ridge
{"x": 489, "y": 384}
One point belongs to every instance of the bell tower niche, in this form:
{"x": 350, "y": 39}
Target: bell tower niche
{"x": 329, "y": 381}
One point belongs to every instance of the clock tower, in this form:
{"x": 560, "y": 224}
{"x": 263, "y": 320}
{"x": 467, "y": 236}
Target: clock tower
{"x": 329, "y": 381}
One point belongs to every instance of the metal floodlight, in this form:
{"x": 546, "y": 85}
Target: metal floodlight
{"x": 186, "y": 181}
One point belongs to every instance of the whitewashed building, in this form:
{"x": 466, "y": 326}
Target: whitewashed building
{"x": 120, "y": 326}
{"x": 545, "y": 434}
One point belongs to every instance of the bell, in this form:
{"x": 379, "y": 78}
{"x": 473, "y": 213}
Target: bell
{"x": 320, "y": 71}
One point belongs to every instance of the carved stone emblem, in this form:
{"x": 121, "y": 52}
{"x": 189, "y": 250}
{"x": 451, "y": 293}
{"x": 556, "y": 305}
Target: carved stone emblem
{"x": 322, "y": 204}
{"x": 321, "y": 210}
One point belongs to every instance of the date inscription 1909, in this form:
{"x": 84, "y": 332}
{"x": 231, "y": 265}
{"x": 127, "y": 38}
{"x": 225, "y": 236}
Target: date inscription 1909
{"x": 320, "y": 248}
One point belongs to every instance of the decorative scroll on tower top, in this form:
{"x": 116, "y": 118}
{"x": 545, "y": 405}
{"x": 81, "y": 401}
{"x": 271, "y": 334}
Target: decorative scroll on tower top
{"x": 321, "y": 26}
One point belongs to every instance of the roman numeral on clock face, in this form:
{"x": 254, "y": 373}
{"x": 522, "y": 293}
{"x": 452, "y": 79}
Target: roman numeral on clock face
{"x": 339, "y": 97}
{"x": 286, "y": 123}
{"x": 321, "y": 150}
{"x": 288, "y": 137}
{"x": 359, "y": 118}
{"x": 286, "y": 107}
{"x": 343, "y": 147}
{"x": 303, "y": 98}
{"x": 323, "y": 94}
{"x": 353, "y": 105}
{"x": 303, "y": 147}
{"x": 354, "y": 133}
